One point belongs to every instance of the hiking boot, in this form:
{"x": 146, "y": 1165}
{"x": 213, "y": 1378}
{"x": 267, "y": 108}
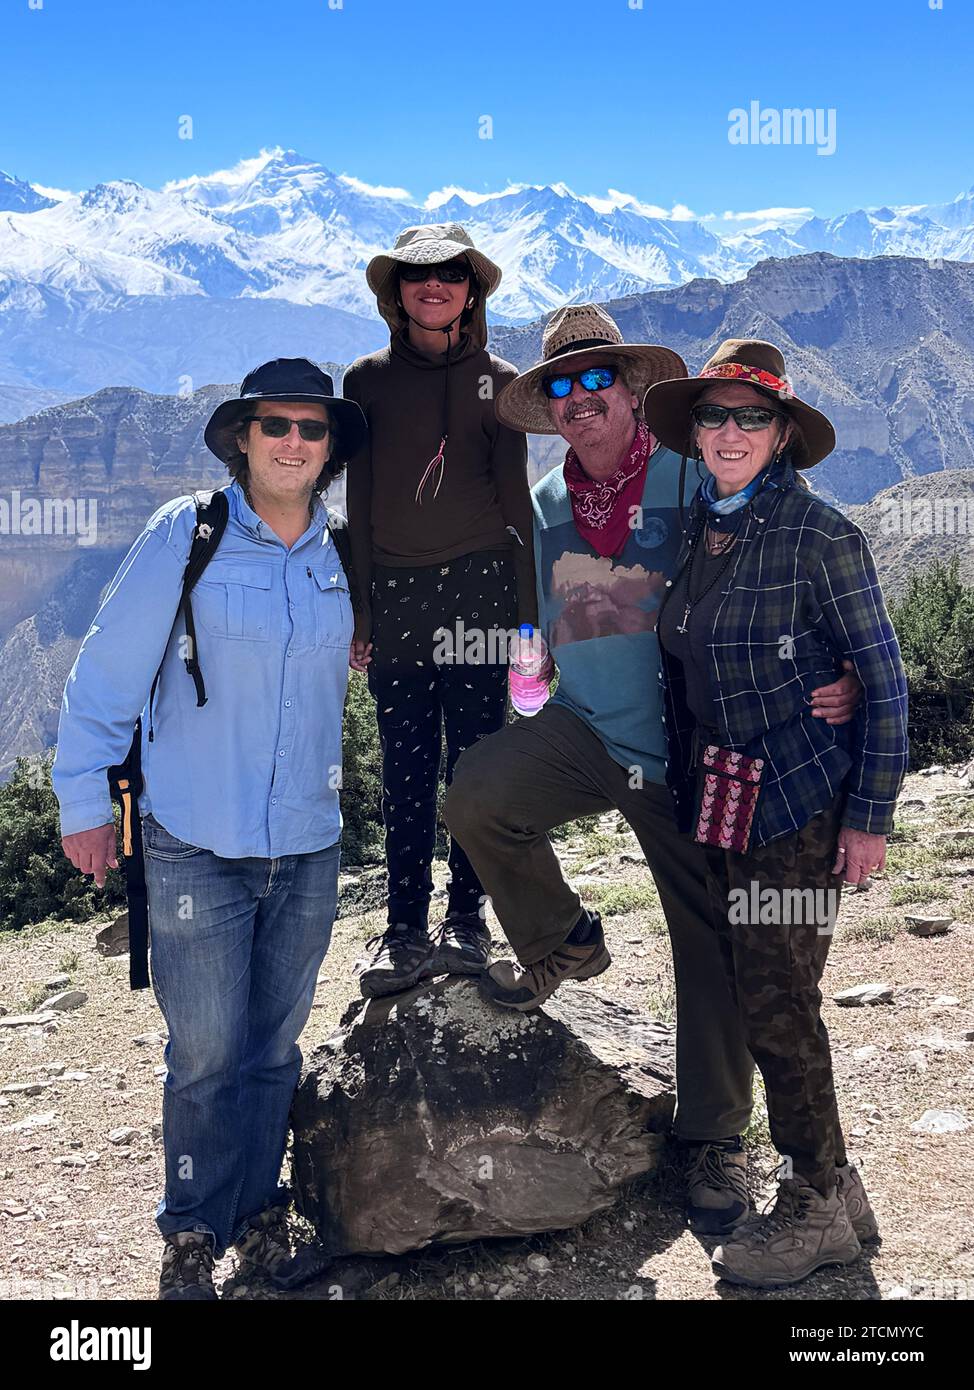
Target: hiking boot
{"x": 264, "y": 1246}
{"x": 187, "y": 1267}
{"x": 852, "y": 1192}
{"x": 402, "y": 957}
{"x": 464, "y": 945}
{"x": 804, "y": 1232}
{"x": 717, "y": 1195}
{"x": 525, "y": 987}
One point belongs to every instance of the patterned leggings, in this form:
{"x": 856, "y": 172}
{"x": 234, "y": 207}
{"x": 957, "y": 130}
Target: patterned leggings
{"x": 418, "y": 694}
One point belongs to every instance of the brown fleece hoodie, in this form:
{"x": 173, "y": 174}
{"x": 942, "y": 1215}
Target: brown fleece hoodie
{"x": 484, "y": 488}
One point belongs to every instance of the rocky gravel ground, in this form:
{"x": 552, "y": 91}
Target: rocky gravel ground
{"x": 81, "y": 1090}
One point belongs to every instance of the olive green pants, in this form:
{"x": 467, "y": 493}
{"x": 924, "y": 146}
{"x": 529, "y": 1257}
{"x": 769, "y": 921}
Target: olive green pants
{"x": 509, "y": 789}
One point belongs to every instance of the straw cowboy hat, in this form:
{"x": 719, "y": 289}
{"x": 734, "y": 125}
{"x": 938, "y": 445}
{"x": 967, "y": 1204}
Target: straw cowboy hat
{"x": 569, "y": 336}
{"x": 431, "y": 245}
{"x": 750, "y": 362}
{"x": 285, "y": 379}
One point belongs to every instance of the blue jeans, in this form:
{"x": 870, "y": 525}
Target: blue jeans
{"x": 236, "y": 949}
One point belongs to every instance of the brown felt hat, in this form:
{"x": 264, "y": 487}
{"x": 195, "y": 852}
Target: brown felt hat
{"x": 431, "y": 245}
{"x": 750, "y": 362}
{"x": 570, "y": 335}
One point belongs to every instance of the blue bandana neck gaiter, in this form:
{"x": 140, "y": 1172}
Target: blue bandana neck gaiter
{"x": 728, "y": 513}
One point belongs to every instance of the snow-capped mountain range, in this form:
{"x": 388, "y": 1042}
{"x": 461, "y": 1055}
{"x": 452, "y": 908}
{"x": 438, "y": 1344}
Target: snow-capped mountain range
{"x": 281, "y": 226}
{"x": 170, "y": 289}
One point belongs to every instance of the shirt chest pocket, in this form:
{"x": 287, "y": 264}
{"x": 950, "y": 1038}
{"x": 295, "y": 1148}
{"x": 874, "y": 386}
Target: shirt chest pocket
{"x": 334, "y": 623}
{"x": 234, "y": 600}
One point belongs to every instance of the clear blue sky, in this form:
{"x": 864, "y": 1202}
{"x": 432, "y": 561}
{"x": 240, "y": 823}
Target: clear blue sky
{"x": 589, "y": 92}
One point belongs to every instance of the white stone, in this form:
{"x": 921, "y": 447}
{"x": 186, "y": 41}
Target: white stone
{"x": 940, "y": 1122}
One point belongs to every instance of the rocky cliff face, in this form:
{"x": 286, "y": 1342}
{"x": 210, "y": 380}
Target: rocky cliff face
{"x": 885, "y": 347}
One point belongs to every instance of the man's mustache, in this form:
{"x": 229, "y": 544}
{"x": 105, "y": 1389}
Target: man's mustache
{"x": 585, "y": 405}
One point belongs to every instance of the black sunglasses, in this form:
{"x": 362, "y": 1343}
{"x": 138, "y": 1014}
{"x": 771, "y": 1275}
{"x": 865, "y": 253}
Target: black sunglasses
{"x": 278, "y": 426}
{"x": 449, "y": 272}
{"x": 746, "y": 417}
{"x": 556, "y": 388}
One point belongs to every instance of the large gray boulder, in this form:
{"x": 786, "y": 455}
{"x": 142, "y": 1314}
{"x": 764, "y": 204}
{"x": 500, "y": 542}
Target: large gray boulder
{"x": 433, "y": 1116}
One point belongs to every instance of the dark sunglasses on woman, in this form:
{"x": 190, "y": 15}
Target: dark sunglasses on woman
{"x": 278, "y": 426}
{"x": 746, "y": 417}
{"x": 556, "y": 388}
{"x": 449, "y": 272}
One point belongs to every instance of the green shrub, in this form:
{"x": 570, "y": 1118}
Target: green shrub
{"x": 615, "y": 899}
{"x": 902, "y": 894}
{"x": 361, "y": 796}
{"x": 934, "y": 621}
{"x": 885, "y": 927}
{"x": 37, "y": 880}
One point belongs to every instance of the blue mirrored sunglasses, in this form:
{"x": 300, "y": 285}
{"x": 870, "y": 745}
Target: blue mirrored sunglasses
{"x": 556, "y": 388}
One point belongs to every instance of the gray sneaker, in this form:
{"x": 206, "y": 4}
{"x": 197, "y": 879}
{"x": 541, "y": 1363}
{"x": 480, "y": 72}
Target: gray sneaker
{"x": 187, "y": 1268}
{"x": 852, "y": 1192}
{"x": 403, "y": 956}
{"x": 464, "y": 945}
{"x": 717, "y": 1195}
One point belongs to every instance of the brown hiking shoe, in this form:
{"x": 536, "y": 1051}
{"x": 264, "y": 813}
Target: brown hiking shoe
{"x": 717, "y": 1195}
{"x": 187, "y": 1267}
{"x": 525, "y": 987}
{"x": 264, "y": 1247}
{"x": 852, "y": 1192}
{"x": 804, "y": 1232}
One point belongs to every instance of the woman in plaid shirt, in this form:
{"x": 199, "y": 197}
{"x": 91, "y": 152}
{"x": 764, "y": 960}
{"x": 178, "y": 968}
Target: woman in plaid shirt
{"x": 775, "y": 591}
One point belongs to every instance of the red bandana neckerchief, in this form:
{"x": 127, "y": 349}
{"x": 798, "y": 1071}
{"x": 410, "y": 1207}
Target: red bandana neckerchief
{"x": 602, "y": 510}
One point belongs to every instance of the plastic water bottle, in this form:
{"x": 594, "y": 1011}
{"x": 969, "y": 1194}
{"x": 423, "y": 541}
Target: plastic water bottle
{"x": 530, "y": 670}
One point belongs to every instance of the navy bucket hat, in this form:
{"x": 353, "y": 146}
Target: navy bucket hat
{"x": 285, "y": 379}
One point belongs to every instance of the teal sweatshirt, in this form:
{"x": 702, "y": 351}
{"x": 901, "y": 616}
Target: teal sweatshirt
{"x": 599, "y": 614}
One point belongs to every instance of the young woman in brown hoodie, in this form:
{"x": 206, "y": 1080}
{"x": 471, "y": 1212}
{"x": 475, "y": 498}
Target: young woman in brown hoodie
{"x": 439, "y": 515}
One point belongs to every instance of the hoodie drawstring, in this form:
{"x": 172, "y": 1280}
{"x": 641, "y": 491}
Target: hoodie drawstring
{"x": 438, "y": 461}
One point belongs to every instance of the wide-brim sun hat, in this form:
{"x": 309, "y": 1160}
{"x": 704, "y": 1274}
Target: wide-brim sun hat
{"x": 747, "y": 362}
{"x": 431, "y": 244}
{"x": 285, "y": 379}
{"x": 570, "y": 336}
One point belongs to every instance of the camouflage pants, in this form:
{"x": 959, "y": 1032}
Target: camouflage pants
{"x": 774, "y": 908}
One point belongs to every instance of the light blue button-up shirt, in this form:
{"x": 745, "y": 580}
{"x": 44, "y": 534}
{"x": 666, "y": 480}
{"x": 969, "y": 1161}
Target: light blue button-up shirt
{"x": 256, "y": 770}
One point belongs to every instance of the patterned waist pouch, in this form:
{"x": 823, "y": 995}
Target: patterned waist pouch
{"x": 728, "y": 790}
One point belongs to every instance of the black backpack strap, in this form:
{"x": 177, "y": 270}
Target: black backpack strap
{"x": 212, "y": 510}
{"x": 338, "y": 528}
{"x": 125, "y": 779}
{"x": 212, "y": 513}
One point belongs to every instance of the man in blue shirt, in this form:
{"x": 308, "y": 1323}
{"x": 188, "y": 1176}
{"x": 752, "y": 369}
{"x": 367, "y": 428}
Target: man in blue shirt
{"x": 607, "y": 533}
{"x": 241, "y": 820}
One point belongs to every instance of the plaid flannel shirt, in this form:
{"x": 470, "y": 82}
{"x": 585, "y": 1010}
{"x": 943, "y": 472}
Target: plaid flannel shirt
{"x": 801, "y": 596}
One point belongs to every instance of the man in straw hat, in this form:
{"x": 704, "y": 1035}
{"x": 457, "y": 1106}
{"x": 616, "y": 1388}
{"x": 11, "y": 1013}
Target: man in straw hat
{"x": 607, "y": 535}
{"x": 439, "y": 515}
{"x": 241, "y": 819}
